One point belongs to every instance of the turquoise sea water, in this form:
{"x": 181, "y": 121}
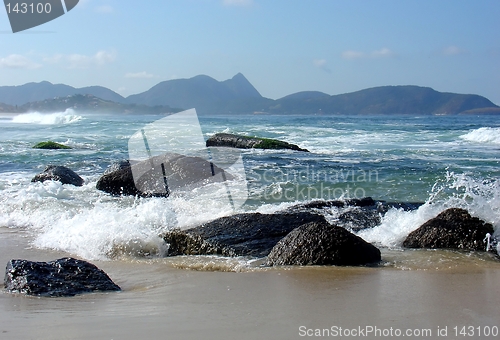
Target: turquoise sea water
{"x": 442, "y": 161}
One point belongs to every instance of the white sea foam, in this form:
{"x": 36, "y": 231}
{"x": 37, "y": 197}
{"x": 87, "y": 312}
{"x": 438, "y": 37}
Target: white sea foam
{"x": 481, "y": 198}
{"x": 67, "y": 117}
{"x": 486, "y": 135}
{"x": 94, "y": 225}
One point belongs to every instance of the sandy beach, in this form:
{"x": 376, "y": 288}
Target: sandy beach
{"x": 162, "y": 298}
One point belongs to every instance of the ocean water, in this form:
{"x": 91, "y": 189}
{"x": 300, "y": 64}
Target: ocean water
{"x": 441, "y": 161}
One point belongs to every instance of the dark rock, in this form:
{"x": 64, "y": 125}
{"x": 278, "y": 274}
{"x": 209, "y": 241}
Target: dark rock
{"x": 119, "y": 165}
{"x": 406, "y": 206}
{"x": 159, "y": 175}
{"x": 59, "y": 173}
{"x": 354, "y": 214}
{"x": 118, "y": 182}
{"x": 359, "y": 218}
{"x": 50, "y": 145}
{"x": 366, "y": 202}
{"x": 63, "y": 277}
{"x": 453, "y": 229}
{"x": 320, "y": 243}
{"x": 245, "y": 142}
{"x": 250, "y": 234}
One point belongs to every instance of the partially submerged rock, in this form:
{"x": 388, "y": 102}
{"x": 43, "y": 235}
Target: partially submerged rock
{"x": 359, "y": 218}
{"x": 50, "y": 145}
{"x": 249, "y": 234}
{"x": 453, "y": 229}
{"x": 320, "y": 243}
{"x": 365, "y": 202}
{"x": 354, "y": 214}
{"x": 118, "y": 182}
{"x": 118, "y": 165}
{"x": 63, "y": 277}
{"x": 159, "y": 175}
{"x": 245, "y": 142}
{"x": 59, "y": 173}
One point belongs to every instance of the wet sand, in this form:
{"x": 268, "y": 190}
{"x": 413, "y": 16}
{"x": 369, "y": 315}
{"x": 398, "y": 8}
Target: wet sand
{"x": 162, "y": 299}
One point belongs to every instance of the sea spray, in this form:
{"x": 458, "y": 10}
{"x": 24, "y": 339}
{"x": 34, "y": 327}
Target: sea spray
{"x": 478, "y": 196}
{"x": 94, "y": 225}
{"x": 83, "y": 221}
{"x": 67, "y": 117}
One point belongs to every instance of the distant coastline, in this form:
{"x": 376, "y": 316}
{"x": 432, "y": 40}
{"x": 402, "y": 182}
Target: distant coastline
{"x": 238, "y": 96}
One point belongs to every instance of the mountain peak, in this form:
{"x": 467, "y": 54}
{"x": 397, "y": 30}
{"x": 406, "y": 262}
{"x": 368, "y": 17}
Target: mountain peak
{"x": 202, "y": 92}
{"x": 241, "y": 87}
{"x": 239, "y": 76}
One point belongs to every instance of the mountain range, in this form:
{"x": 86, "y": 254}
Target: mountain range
{"x": 236, "y": 96}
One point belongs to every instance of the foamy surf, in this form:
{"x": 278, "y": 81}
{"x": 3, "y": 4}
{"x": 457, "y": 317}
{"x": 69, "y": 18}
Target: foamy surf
{"x": 95, "y": 226}
{"x": 481, "y": 198}
{"x": 69, "y": 116}
{"x": 486, "y": 135}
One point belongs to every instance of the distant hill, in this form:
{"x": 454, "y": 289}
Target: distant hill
{"x": 237, "y": 96}
{"x": 202, "y": 92}
{"x": 5, "y": 108}
{"x": 33, "y": 92}
{"x": 385, "y": 100}
{"x": 88, "y": 103}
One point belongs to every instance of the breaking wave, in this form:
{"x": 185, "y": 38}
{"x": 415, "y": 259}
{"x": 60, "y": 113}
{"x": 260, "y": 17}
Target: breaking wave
{"x": 483, "y": 135}
{"x": 67, "y": 117}
{"x": 478, "y": 196}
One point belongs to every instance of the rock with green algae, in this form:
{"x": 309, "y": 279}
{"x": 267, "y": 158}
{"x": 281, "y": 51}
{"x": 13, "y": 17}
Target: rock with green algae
{"x": 245, "y": 142}
{"x": 50, "y": 145}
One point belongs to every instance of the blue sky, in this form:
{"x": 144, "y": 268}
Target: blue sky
{"x": 282, "y": 47}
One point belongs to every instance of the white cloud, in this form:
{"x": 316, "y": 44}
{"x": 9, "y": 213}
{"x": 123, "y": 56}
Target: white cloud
{"x": 104, "y": 57}
{"x": 17, "y": 61}
{"x": 105, "y": 9}
{"x": 322, "y": 64}
{"x": 382, "y": 53}
{"x": 452, "y": 50}
{"x": 242, "y": 3}
{"x": 140, "y": 75}
{"x": 82, "y": 61}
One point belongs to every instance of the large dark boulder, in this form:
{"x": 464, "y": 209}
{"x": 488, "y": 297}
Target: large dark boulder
{"x": 159, "y": 175}
{"x": 453, "y": 229}
{"x": 245, "y": 142}
{"x": 118, "y": 182}
{"x": 118, "y": 165}
{"x": 59, "y": 173}
{"x": 249, "y": 234}
{"x": 63, "y": 277}
{"x": 320, "y": 243}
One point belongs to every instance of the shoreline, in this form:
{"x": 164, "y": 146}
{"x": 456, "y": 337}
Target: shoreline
{"x": 165, "y": 299}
